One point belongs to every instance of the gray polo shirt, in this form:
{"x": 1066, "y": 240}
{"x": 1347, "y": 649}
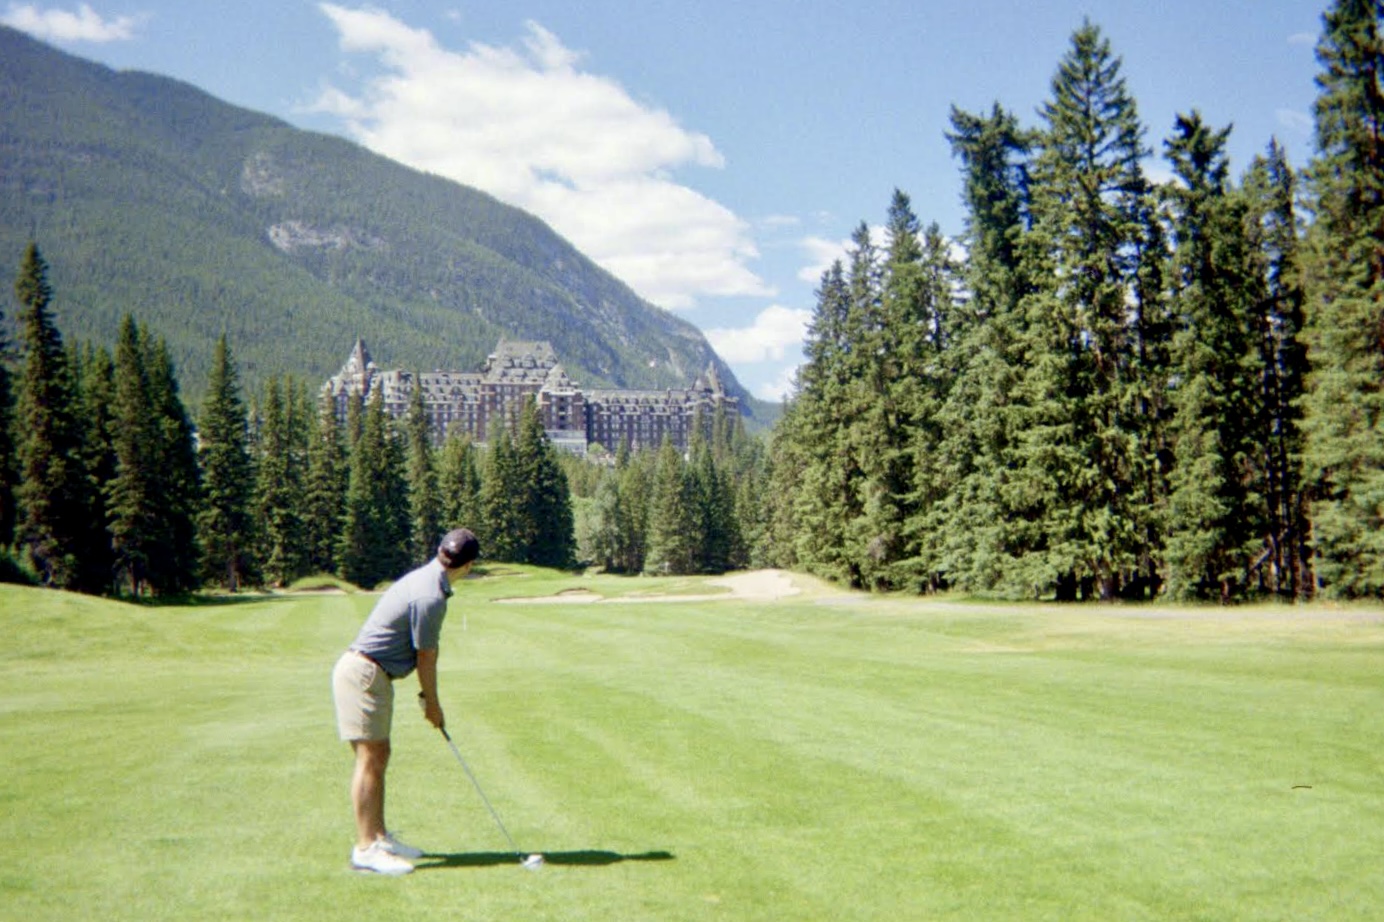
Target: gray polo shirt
{"x": 406, "y": 619}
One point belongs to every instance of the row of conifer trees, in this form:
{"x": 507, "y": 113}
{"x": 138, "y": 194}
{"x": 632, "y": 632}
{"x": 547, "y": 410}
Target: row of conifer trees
{"x": 1119, "y": 387}
{"x": 108, "y": 486}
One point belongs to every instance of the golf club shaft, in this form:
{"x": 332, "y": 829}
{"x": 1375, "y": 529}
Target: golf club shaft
{"x": 477, "y": 785}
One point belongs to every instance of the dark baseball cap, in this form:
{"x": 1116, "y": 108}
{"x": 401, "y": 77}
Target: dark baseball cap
{"x": 458, "y": 548}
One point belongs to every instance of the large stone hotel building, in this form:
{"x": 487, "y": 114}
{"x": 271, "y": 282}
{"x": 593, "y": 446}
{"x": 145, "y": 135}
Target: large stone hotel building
{"x": 476, "y": 403}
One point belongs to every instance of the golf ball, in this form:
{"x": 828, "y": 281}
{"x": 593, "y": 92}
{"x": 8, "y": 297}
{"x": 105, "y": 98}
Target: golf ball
{"x": 533, "y": 862}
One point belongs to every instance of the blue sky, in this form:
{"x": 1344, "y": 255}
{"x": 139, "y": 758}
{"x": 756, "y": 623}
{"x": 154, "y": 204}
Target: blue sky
{"x": 715, "y": 156}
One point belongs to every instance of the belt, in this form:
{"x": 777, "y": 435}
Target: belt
{"x": 378, "y": 665}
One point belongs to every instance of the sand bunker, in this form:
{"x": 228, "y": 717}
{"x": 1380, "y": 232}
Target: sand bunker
{"x": 755, "y": 586}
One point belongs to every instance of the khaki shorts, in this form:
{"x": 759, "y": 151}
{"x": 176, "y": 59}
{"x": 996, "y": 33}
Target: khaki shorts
{"x": 364, "y": 698}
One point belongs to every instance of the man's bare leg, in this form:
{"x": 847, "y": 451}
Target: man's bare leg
{"x": 367, "y": 789}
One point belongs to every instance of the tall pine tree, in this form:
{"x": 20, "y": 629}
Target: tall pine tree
{"x": 52, "y": 486}
{"x": 1080, "y": 458}
{"x": 826, "y": 496}
{"x": 673, "y": 538}
{"x": 968, "y": 530}
{"x": 424, "y": 506}
{"x": 279, "y": 488}
{"x": 374, "y": 535}
{"x": 324, "y": 489}
{"x": 175, "y": 565}
{"x": 225, "y": 521}
{"x": 459, "y": 482}
{"x": 1270, "y": 193}
{"x": 546, "y": 501}
{"x": 502, "y": 525}
{"x": 132, "y": 496}
{"x": 1343, "y": 450}
{"x": 94, "y": 375}
{"x": 1216, "y": 521}
{"x": 634, "y": 477}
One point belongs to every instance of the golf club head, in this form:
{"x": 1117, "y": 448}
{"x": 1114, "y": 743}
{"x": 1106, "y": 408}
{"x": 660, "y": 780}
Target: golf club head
{"x": 532, "y": 862}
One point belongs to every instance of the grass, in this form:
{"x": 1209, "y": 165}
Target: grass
{"x": 820, "y": 757}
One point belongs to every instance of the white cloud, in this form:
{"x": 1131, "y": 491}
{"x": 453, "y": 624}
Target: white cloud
{"x": 85, "y": 25}
{"x": 529, "y": 125}
{"x": 781, "y": 388}
{"x": 775, "y": 330}
{"x": 1302, "y": 38}
{"x": 821, "y": 253}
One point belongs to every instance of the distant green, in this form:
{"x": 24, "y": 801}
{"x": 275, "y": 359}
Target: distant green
{"x": 824, "y": 756}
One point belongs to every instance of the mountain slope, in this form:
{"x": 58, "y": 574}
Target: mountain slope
{"x": 151, "y": 197}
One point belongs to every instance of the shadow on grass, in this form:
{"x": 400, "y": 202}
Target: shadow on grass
{"x": 589, "y": 859}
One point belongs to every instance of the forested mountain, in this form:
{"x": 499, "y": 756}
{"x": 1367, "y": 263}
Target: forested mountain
{"x": 148, "y": 196}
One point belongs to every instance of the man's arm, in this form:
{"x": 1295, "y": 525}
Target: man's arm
{"x": 427, "y": 684}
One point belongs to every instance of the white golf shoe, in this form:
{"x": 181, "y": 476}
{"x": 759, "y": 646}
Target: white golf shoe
{"x": 378, "y": 859}
{"x": 392, "y": 845}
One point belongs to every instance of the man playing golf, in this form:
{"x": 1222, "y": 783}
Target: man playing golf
{"x": 400, "y": 635}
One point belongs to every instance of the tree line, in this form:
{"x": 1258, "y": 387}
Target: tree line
{"x": 108, "y": 486}
{"x": 663, "y": 512}
{"x": 1113, "y": 387}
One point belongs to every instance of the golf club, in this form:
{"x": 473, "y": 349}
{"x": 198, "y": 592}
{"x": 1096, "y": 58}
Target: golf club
{"x": 531, "y": 862}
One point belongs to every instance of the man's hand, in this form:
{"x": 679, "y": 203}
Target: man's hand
{"x": 432, "y": 711}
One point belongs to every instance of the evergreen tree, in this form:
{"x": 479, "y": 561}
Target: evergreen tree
{"x": 741, "y": 465}
{"x": 715, "y": 514}
{"x": 132, "y": 496}
{"x": 95, "y": 379}
{"x": 545, "y": 500}
{"x": 673, "y": 541}
{"x": 1343, "y": 451}
{"x": 827, "y": 496}
{"x": 459, "y": 482}
{"x": 503, "y": 531}
{"x": 1080, "y": 458}
{"x": 631, "y": 520}
{"x": 890, "y": 362}
{"x": 870, "y": 527}
{"x": 324, "y": 489}
{"x": 52, "y": 485}
{"x": 175, "y": 565}
{"x": 225, "y": 522}
{"x": 970, "y": 526}
{"x": 1148, "y": 402}
{"x": 1273, "y": 233}
{"x": 424, "y": 504}
{"x": 597, "y": 538}
{"x": 1216, "y": 517}
{"x": 374, "y": 544}
{"x": 279, "y": 489}
{"x": 932, "y": 337}
{"x": 786, "y": 462}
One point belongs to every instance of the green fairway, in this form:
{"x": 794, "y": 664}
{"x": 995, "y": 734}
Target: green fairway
{"x": 817, "y": 757}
